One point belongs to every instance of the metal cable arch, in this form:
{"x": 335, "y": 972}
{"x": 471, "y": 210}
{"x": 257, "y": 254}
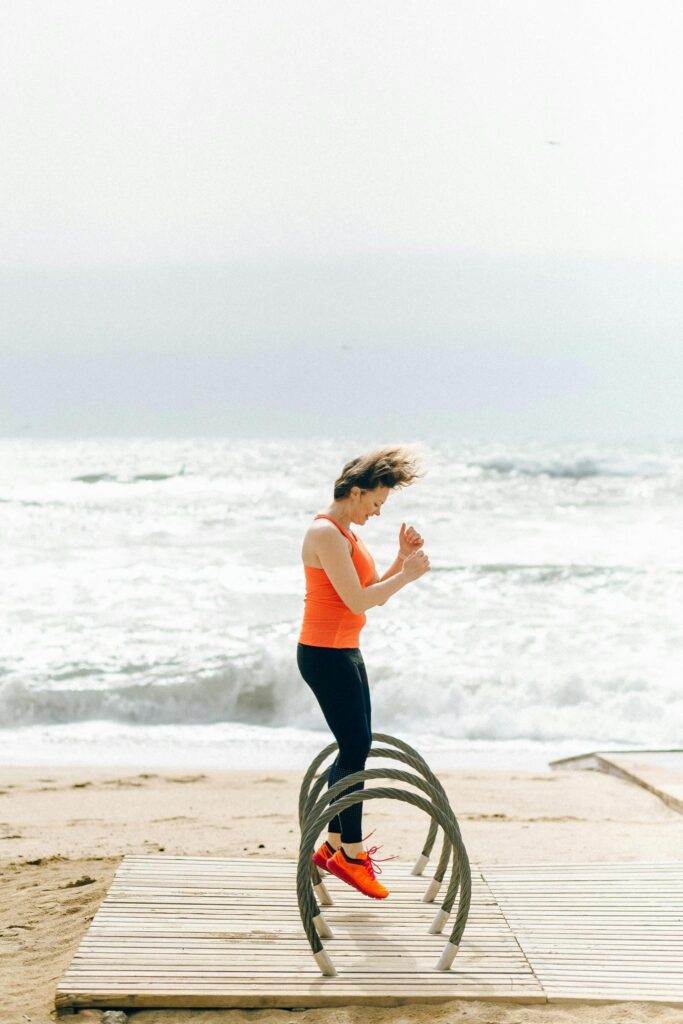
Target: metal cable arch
{"x": 417, "y": 762}
{"x": 317, "y": 816}
{"x": 413, "y": 762}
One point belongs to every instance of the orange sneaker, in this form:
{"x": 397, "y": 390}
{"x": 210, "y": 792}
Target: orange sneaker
{"x": 359, "y": 872}
{"x": 323, "y": 854}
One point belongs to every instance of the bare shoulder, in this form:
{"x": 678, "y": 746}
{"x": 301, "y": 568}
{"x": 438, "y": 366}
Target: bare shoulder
{"x": 320, "y": 528}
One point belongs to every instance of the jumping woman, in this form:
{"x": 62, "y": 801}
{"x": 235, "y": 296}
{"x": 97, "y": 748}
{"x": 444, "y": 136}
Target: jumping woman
{"x": 341, "y": 584}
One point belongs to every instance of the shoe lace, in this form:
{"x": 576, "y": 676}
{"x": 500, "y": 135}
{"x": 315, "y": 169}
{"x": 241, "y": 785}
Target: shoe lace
{"x": 371, "y": 863}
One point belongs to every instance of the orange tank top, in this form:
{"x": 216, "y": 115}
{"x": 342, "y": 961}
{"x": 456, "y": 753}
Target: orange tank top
{"x": 327, "y": 620}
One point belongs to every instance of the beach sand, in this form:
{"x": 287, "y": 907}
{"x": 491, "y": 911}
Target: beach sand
{"x": 63, "y": 832}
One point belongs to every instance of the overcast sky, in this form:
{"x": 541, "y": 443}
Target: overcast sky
{"x": 258, "y": 217}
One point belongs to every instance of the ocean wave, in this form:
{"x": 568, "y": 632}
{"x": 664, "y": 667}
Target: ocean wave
{"x": 19, "y": 501}
{"x": 158, "y": 476}
{"x": 267, "y": 690}
{"x": 541, "y": 572}
{"x": 96, "y": 478}
{"x": 260, "y": 690}
{"x": 578, "y": 469}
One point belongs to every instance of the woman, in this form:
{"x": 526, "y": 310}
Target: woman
{"x": 341, "y": 584}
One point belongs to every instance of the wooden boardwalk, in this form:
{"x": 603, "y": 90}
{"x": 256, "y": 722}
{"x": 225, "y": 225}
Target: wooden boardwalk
{"x": 659, "y": 771}
{"x": 188, "y": 932}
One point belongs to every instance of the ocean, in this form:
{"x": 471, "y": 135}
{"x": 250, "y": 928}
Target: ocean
{"x": 152, "y": 594}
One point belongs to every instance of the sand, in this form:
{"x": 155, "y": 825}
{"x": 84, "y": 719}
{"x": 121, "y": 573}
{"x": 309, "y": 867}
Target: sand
{"x": 63, "y": 831}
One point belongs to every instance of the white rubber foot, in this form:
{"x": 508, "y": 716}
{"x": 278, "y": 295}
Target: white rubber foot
{"x": 322, "y": 894}
{"x": 325, "y": 964}
{"x": 432, "y": 890}
{"x": 322, "y": 927}
{"x": 436, "y": 927}
{"x": 447, "y": 957}
{"x": 420, "y": 864}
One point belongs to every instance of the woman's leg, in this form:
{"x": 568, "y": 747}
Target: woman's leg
{"x": 366, "y": 692}
{"x": 338, "y": 679}
{"x": 336, "y": 773}
{"x": 334, "y": 829}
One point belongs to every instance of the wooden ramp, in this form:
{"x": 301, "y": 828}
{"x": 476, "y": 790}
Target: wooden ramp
{"x": 187, "y": 932}
{"x": 659, "y": 771}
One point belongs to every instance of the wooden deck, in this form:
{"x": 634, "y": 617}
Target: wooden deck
{"x": 188, "y": 932}
{"x": 659, "y": 771}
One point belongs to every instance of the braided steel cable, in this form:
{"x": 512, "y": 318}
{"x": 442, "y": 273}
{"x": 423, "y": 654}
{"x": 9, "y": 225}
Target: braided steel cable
{"x": 402, "y": 745}
{"x": 418, "y": 763}
{"x": 416, "y": 760}
{"x": 441, "y": 798}
{"x": 311, "y": 916}
{"x": 421, "y": 861}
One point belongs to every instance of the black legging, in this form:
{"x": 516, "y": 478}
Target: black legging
{"x": 339, "y": 681}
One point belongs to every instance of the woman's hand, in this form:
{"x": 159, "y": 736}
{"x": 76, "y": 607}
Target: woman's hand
{"x": 415, "y": 565}
{"x": 408, "y": 540}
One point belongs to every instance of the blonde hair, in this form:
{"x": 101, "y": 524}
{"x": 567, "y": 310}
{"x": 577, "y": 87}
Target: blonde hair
{"x": 393, "y": 466}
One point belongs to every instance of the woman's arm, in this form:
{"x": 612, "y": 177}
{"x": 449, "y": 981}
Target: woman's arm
{"x": 333, "y": 552}
{"x": 394, "y": 568}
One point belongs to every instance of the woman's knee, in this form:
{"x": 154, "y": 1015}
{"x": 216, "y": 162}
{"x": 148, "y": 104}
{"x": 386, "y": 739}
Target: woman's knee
{"x": 353, "y": 755}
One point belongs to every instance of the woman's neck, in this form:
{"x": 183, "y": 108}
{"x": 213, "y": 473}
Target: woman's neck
{"x": 341, "y": 515}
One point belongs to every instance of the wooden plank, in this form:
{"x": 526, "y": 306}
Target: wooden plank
{"x": 153, "y": 862}
{"x": 67, "y": 1001}
{"x": 365, "y": 970}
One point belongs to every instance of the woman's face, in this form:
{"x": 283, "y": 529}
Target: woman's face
{"x": 369, "y": 503}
